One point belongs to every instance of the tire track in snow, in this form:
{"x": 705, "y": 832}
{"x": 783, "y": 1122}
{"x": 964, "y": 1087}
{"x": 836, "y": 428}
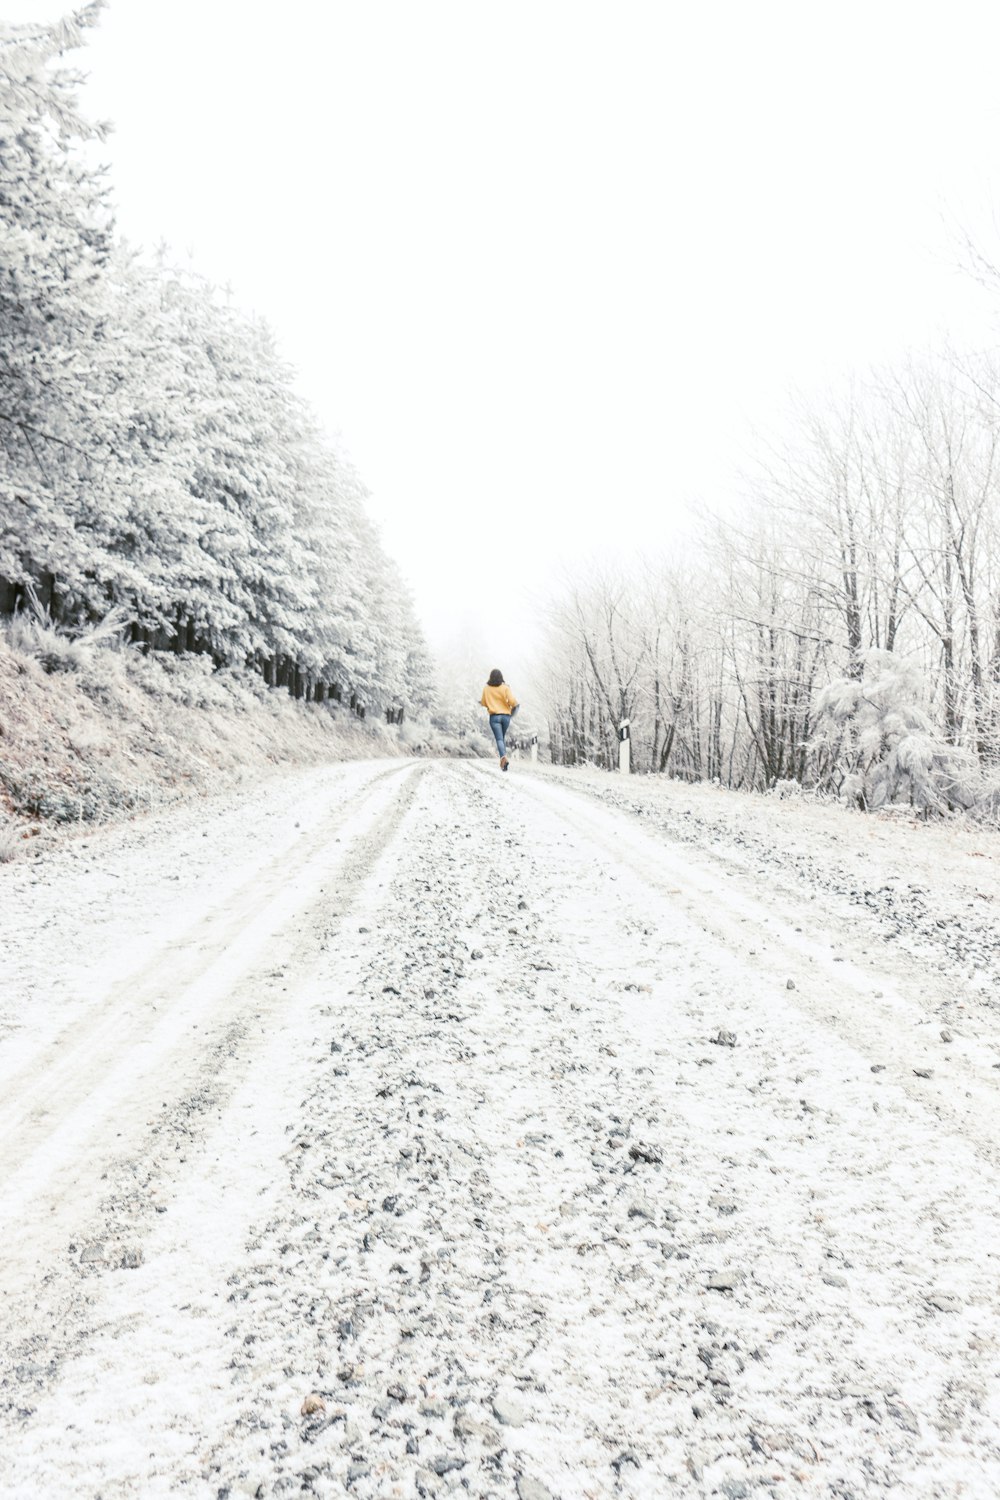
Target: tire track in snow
{"x": 118, "y": 1380}
{"x": 782, "y": 937}
{"x": 948, "y": 930}
{"x": 854, "y": 1215}
{"x": 184, "y": 954}
{"x": 148, "y": 1041}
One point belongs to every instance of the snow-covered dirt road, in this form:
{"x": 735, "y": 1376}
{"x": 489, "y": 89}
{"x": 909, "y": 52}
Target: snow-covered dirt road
{"x": 410, "y": 1130}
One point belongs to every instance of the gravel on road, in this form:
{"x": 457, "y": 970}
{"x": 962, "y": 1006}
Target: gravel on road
{"x": 441, "y": 1133}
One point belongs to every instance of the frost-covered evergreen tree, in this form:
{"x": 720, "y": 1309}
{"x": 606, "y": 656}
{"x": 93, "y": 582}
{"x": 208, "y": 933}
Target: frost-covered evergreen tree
{"x": 55, "y": 233}
{"x": 881, "y": 746}
{"x": 155, "y": 458}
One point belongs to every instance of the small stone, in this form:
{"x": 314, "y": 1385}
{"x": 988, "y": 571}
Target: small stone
{"x": 642, "y": 1211}
{"x": 92, "y": 1253}
{"x": 650, "y": 1154}
{"x": 468, "y": 1427}
{"x": 923, "y": 1072}
{"x": 132, "y": 1258}
{"x": 878, "y": 1067}
{"x": 946, "y": 1035}
{"x": 832, "y": 1279}
{"x": 943, "y": 1302}
{"x": 722, "y": 1281}
{"x": 445, "y": 1465}
{"x": 312, "y": 1404}
{"x": 530, "y": 1489}
{"x": 509, "y": 1413}
{"x": 903, "y": 1414}
{"x": 789, "y": 984}
{"x": 397, "y": 1392}
{"x": 723, "y": 1039}
{"x": 357, "y": 1471}
{"x": 476, "y": 953}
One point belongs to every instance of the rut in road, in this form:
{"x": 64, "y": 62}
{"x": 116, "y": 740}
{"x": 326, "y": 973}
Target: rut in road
{"x": 185, "y": 978}
{"x": 91, "y": 1113}
{"x": 553, "y": 1192}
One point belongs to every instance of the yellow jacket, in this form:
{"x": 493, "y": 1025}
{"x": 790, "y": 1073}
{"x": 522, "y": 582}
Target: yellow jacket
{"x": 498, "y": 700}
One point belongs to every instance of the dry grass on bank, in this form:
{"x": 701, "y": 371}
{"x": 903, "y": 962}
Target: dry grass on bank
{"x": 92, "y": 731}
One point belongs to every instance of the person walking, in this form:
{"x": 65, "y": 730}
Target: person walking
{"x": 501, "y": 705}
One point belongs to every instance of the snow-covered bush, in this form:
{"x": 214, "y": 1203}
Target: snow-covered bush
{"x": 987, "y": 808}
{"x": 33, "y": 633}
{"x": 878, "y": 745}
{"x": 784, "y": 789}
{"x": 11, "y": 838}
{"x": 46, "y": 793}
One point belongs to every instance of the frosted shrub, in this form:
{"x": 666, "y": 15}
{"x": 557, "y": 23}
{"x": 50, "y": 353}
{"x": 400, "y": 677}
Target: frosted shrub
{"x": 38, "y": 792}
{"x": 241, "y": 688}
{"x": 10, "y": 842}
{"x": 782, "y": 789}
{"x": 987, "y": 807}
{"x": 413, "y": 736}
{"x": 86, "y": 738}
{"x": 34, "y": 634}
{"x": 879, "y": 746}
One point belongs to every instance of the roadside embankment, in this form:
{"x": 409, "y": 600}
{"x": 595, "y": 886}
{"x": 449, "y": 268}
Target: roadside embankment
{"x": 90, "y": 734}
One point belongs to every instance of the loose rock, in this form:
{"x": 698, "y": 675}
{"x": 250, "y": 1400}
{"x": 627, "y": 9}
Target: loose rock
{"x": 649, "y": 1154}
{"x": 508, "y": 1412}
{"x": 943, "y": 1302}
{"x": 531, "y": 1489}
{"x": 722, "y": 1281}
{"x": 446, "y": 1465}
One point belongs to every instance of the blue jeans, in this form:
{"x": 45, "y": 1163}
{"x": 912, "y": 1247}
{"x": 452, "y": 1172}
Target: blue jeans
{"x": 500, "y": 723}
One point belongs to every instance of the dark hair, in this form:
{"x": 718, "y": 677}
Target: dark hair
{"x": 496, "y": 678}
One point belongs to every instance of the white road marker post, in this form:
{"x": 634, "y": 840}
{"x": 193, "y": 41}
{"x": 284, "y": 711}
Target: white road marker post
{"x": 624, "y": 747}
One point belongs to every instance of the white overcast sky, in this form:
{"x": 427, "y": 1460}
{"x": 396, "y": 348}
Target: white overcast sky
{"x": 546, "y": 266}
